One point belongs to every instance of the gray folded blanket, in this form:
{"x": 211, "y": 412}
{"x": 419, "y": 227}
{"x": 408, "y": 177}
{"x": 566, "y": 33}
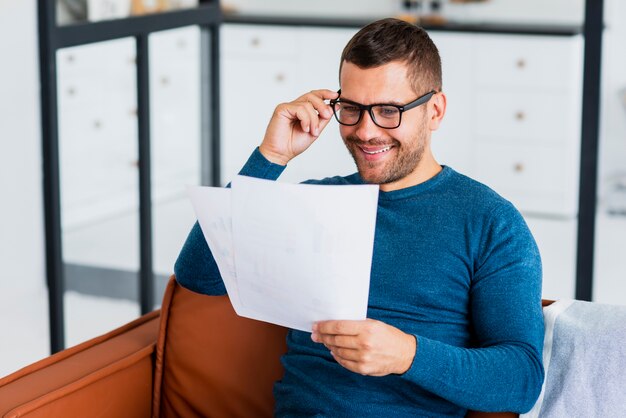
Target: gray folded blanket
{"x": 585, "y": 361}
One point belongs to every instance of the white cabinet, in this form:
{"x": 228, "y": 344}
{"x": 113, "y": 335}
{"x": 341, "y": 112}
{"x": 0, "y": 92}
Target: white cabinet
{"x": 258, "y": 71}
{"x": 97, "y": 131}
{"x": 527, "y": 102}
{"x": 526, "y": 120}
{"x": 452, "y": 142}
{"x": 529, "y": 61}
{"x": 318, "y": 67}
{"x": 175, "y": 109}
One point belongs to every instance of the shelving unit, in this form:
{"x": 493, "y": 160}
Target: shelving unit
{"x": 52, "y": 38}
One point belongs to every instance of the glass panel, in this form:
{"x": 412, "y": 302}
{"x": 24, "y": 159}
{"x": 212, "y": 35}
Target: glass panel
{"x": 99, "y": 186}
{"x": 175, "y": 88}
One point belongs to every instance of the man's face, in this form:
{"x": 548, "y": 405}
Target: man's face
{"x": 385, "y": 156}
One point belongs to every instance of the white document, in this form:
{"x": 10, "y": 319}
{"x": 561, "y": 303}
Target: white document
{"x": 213, "y": 210}
{"x": 296, "y": 253}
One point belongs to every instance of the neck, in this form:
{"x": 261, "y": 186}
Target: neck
{"x": 427, "y": 168}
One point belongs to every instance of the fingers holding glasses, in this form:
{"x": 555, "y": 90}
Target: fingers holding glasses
{"x": 296, "y": 125}
{"x": 318, "y": 111}
{"x": 308, "y": 117}
{"x": 318, "y": 98}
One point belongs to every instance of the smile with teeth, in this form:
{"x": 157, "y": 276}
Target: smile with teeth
{"x": 378, "y": 151}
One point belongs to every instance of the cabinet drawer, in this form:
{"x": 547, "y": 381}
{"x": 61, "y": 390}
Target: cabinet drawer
{"x": 102, "y": 57}
{"x": 542, "y": 116}
{"x": 258, "y": 41}
{"x": 537, "y": 179}
{"x": 536, "y": 62}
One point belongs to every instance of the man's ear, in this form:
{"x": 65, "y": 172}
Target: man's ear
{"x": 436, "y": 110}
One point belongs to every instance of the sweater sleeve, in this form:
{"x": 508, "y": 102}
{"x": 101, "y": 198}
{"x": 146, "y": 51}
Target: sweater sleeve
{"x": 504, "y": 371}
{"x": 195, "y": 267}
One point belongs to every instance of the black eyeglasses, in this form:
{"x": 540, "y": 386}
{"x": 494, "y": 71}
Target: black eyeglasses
{"x": 387, "y": 116}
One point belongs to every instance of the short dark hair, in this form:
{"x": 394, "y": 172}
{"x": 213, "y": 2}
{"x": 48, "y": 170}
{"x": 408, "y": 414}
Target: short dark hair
{"x": 390, "y": 39}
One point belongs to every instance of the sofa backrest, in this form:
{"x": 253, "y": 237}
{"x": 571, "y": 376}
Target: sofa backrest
{"x": 211, "y": 362}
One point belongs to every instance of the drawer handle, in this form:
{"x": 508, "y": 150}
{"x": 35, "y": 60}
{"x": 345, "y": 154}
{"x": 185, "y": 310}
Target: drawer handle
{"x": 255, "y": 42}
{"x": 520, "y": 116}
{"x": 518, "y": 167}
{"x": 280, "y": 77}
{"x": 521, "y": 63}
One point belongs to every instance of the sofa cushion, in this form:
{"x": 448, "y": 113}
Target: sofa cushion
{"x": 211, "y": 362}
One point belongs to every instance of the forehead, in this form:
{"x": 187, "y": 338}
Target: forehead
{"x": 386, "y": 83}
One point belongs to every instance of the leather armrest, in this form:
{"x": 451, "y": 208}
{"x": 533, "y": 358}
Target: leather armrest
{"x": 111, "y": 374}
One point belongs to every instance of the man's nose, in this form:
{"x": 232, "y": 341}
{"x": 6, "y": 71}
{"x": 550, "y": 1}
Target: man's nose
{"x": 366, "y": 128}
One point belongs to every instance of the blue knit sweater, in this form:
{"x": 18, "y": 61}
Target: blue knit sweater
{"x": 455, "y": 265}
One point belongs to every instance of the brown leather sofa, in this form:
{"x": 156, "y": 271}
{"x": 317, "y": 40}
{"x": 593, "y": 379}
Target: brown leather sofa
{"x": 193, "y": 358}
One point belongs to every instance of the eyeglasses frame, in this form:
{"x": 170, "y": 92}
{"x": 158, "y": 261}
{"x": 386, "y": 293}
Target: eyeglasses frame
{"x": 401, "y": 108}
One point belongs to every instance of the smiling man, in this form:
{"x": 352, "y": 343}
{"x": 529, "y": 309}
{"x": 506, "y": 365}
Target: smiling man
{"x": 454, "y": 313}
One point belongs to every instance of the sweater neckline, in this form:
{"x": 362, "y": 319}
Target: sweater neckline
{"x": 412, "y": 191}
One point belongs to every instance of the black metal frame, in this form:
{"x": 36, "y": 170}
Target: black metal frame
{"x": 590, "y": 132}
{"x": 52, "y": 38}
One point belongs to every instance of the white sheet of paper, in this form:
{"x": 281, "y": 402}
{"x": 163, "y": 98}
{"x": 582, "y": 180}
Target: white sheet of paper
{"x": 291, "y": 254}
{"x": 213, "y": 210}
{"x": 303, "y": 251}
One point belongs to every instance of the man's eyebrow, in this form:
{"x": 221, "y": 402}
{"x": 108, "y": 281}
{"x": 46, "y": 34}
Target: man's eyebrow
{"x": 390, "y": 102}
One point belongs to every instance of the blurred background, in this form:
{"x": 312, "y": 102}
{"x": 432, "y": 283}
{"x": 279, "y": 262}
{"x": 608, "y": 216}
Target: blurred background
{"x": 513, "y": 74}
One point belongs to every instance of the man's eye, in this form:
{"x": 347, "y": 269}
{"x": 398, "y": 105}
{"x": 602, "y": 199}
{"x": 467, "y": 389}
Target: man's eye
{"x": 387, "y": 111}
{"x": 350, "y": 108}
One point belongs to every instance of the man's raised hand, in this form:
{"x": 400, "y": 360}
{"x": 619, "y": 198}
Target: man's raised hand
{"x": 296, "y": 125}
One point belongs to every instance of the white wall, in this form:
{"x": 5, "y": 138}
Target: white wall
{"x": 21, "y": 211}
{"x": 23, "y": 311}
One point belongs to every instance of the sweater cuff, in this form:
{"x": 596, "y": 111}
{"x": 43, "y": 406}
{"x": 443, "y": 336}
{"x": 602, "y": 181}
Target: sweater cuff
{"x": 260, "y": 167}
{"x": 427, "y": 364}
